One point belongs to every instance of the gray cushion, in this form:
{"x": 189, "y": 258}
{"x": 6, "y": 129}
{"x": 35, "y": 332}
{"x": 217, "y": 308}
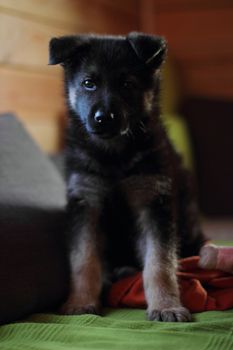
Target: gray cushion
{"x": 33, "y": 270}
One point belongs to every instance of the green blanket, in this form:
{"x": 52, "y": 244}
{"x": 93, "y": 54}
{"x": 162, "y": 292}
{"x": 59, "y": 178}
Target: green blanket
{"x": 123, "y": 329}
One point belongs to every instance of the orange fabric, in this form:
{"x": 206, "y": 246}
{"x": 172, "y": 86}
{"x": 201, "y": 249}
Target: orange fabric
{"x": 200, "y": 290}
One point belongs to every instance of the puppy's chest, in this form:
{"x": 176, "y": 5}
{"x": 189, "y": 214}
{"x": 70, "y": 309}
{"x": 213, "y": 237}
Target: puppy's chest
{"x": 119, "y": 225}
{"x": 136, "y": 184}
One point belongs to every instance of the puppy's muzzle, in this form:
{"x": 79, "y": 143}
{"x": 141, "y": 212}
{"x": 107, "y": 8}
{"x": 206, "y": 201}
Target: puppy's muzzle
{"x": 105, "y": 124}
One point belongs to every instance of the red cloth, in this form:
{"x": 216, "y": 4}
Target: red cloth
{"x": 200, "y": 290}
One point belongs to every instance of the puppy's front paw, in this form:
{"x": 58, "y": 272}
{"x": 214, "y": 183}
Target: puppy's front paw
{"x": 173, "y": 314}
{"x": 70, "y": 307}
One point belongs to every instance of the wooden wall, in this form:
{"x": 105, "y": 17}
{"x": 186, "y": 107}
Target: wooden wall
{"x": 28, "y": 86}
{"x": 200, "y": 37}
{"x": 199, "y": 33}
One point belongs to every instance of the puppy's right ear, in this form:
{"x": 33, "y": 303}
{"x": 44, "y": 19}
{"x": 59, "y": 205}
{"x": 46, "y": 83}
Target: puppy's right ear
{"x": 150, "y": 49}
{"x": 60, "y": 49}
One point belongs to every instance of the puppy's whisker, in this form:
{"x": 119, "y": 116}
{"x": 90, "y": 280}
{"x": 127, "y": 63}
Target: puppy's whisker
{"x": 142, "y": 127}
{"x": 129, "y": 133}
{"x": 124, "y": 116}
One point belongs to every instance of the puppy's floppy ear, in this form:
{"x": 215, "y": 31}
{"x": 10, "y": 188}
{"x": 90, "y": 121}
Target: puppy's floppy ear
{"x": 150, "y": 49}
{"x": 60, "y": 49}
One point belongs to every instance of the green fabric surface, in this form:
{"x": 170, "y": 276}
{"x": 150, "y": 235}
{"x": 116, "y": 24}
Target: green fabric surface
{"x": 123, "y": 329}
{"x": 119, "y": 329}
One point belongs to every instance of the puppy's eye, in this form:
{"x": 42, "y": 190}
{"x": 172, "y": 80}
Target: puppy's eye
{"x": 89, "y": 84}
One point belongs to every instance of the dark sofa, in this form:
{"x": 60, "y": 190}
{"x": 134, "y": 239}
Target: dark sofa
{"x": 33, "y": 269}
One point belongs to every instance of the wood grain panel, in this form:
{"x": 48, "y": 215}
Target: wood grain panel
{"x": 150, "y": 10}
{"x": 29, "y": 39}
{"x": 148, "y": 16}
{"x": 33, "y": 95}
{"x": 103, "y": 17}
{"x": 212, "y": 79}
{"x": 28, "y": 44}
{"x": 95, "y": 15}
{"x": 37, "y": 101}
{"x": 198, "y": 35}
{"x": 28, "y": 86}
{"x": 127, "y": 6}
{"x": 60, "y": 11}
{"x": 180, "y": 5}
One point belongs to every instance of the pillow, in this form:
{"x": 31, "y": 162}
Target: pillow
{"x": 179, "y": 136}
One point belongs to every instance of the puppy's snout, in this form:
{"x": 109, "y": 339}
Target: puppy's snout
{"x": 104, "y": 123}
{"x": 101, "y": 117}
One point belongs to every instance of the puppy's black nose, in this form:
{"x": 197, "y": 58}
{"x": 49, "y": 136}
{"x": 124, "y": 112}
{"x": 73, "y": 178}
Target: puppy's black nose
{"x": 100, "y": 117}
{"x": 104, "y": 123}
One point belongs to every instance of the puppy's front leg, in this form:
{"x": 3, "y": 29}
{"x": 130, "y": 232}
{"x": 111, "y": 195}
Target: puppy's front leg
{"x": 158, "y": 253}
{"x": 86, "y": 273}
{"x": 151, "y": 198}
{"x": 85, "y": 268}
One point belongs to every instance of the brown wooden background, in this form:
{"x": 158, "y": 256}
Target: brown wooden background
{"x": 200, "y": 37}
{"x": 28, "y": 86}
{"x": 199, "y": 32}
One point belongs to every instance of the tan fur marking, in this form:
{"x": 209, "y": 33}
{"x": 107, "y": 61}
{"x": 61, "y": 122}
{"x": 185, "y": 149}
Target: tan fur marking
{"x": 161, "y": 288}
{"x": 86, "y": 270}
{"x": 86, "y": 275}
{"x": 159, "y": 273}
{"x": 72, "y": 96}
{"x": 148, "y": 101}
{"x": 88, "y": 189}
{"x": 142, "y": 190}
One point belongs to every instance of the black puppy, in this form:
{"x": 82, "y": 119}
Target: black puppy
{"x": 130, "y": 202}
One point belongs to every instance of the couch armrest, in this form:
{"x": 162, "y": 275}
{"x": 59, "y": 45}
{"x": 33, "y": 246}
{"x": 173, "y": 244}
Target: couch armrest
{"x": 33, "y": 269}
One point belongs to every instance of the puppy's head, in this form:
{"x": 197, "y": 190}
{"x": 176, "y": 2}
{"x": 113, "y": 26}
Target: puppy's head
{"x": 111, "y": 81}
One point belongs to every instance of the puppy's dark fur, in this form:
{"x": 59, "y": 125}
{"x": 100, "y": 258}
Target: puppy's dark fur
{"x": 130, "y": 202}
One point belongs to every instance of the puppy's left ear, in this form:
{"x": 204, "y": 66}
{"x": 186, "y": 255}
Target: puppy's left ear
{"x": 150, "y": 49}
{"x": 62, "y": 48}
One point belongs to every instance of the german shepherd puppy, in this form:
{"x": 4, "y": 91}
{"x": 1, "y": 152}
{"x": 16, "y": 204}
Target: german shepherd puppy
{"x": 130, "y": 202}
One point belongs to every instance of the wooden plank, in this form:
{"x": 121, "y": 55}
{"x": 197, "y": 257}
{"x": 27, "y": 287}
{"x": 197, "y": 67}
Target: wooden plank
{"x": 60, "y": 11}
{"x": 67, "y": 12}
{"x": 37, "y": 100}
{"x": 27, "y": 86}
{"x": 209, "y": 79}
{"x": 192, "y": 5}
{"x": 32, "y": 95}
{"x": 101, "y": 17}
{"x": 148, "y": 16}
{"x": 79, "y": 15}
{"x": 197, "y": 36}
{"x": 28, "y": 44}
{"x": 127, "y": 6}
